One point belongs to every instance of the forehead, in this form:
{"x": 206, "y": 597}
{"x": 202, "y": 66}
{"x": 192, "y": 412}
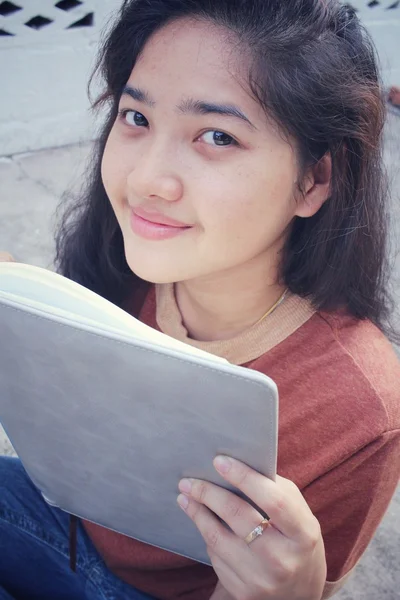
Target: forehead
{"x": 190, "y": 57}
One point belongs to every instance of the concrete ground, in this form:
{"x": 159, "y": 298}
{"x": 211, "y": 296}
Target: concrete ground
{"x": 31, "y": 186}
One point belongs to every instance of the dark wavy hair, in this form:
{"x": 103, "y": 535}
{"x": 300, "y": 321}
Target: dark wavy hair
{"x": 314, "y": 71}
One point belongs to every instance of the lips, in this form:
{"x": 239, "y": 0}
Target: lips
{"x": 155, "y": 226}
{"x": 158, "y": 218}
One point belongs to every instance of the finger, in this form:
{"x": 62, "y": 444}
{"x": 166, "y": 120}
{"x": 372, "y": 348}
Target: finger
{"x": 219, "y": 540}
{"x": 281, "y": 500}
{"x": 6, "y": 257}
{"x": 241, "y": 517}
{"x": 235, "y": 554}
{"x": 228, "y": 579}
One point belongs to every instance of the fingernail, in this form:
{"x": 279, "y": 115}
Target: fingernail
{"x": 183, "y": 501}
{"x": 185, "y": 485}
{"x": 222, "y": 464}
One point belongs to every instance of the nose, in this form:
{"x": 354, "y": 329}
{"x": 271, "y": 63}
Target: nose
{"x": 154, "y": 175}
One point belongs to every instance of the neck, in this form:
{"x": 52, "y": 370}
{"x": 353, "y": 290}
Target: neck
{"x": 221, "y": 306}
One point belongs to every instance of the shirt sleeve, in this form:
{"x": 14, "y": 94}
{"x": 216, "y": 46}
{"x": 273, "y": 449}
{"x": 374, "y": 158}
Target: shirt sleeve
{"x": 350, "y": 501}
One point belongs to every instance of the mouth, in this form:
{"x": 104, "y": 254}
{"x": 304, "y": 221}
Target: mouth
{"x": 155, "y": 226}
{"x": 158, "y": 218}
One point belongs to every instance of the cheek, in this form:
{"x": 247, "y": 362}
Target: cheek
{"x": 254, "y": 205}
{"x": 108, "y": 166}
{"x": 114, "y": 170}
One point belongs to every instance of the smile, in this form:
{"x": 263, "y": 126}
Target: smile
{"x": 155, "y": 227}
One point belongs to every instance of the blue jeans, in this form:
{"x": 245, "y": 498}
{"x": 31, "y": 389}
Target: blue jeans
{"x": 34, "y": 549}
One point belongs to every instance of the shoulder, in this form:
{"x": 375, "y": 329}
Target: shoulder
{"x": 338, "y": 387}
{"x": 347, "y": 357}
{"x": 370, "y": 359}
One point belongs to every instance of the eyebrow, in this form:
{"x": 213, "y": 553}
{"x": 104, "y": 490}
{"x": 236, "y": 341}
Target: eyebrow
{"x": 138, "y": 95}
{"x": 198, "y": 107}
{"x": 191, "y": 106}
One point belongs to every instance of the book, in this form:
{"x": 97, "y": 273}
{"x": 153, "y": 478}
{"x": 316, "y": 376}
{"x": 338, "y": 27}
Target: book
{"x": 107, "y": 414}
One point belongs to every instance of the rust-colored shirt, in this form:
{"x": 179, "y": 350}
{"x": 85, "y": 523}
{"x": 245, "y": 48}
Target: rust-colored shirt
{"x": 339, "y": 435}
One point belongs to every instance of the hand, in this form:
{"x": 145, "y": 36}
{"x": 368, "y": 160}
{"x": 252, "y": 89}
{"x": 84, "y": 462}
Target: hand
{"x": 6, "y": 257}
{"x": 287, "y": 562}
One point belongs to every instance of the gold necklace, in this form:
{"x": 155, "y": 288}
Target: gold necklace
{"x": 274, "y": 307}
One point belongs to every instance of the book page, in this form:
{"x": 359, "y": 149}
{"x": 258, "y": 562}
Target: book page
{"x": 54, "y": 294}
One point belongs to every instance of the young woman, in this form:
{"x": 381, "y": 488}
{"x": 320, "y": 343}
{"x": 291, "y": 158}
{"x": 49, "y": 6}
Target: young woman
{"x": 236, "y": 202}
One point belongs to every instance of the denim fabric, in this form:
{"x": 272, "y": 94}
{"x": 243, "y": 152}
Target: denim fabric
{"x": 34, "y": 549}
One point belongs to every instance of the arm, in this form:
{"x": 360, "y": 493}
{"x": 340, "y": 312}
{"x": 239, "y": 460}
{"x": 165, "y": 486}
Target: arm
{"x": 350, "y": 501}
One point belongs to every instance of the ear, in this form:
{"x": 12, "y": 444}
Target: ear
{"x": 316, "y": 187}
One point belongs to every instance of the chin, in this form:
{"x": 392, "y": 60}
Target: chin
{"x": 155, "y": 269}
{"x": 164, "y": 262}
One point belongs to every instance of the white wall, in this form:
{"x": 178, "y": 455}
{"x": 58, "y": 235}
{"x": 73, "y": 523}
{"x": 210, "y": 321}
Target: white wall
{"x": 383, "y": 23}
{"x": 44, "y": 73}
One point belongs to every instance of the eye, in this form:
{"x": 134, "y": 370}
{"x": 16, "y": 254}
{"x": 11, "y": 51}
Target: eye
{"x": 218, "y": 138}
{"x": 133, "y": 118}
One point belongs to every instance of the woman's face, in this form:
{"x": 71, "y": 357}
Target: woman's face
{"x": 192, "y": 148}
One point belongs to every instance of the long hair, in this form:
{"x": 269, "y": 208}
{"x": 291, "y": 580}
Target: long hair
{"x": 314, "y": 71}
